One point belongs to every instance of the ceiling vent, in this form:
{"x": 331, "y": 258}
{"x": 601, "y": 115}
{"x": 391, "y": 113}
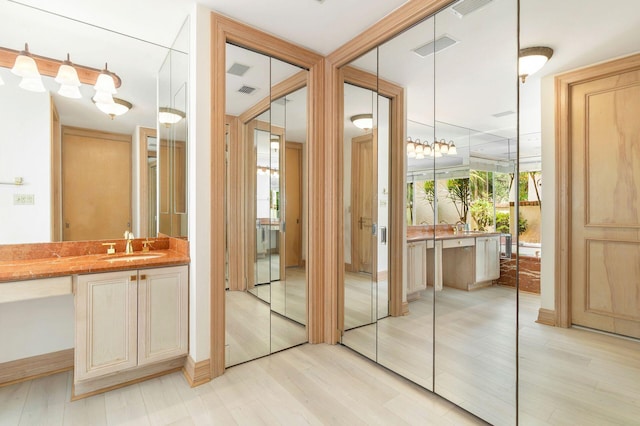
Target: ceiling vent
{"x": 439, "y": 45}
{"x": 247, "y": 90}
{"x": 465, "y": 7}
{"x": 503, "y": 114}
{"x": 238, "y": 69}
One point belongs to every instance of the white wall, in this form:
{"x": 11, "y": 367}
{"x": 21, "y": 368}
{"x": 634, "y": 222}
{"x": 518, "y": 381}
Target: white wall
{"x": 200, "y": 208}
{"x": 25, "y": 148}
{"x": 35, "y": 327}
{"x": 383, "y": 182}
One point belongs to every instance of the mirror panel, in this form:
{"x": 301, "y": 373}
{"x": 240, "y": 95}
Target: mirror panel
{"x": 34, "y": 152}
{"x": 405, "y": 342}
{"x": 475, "y": 319}
{"x": 360, "y": 164}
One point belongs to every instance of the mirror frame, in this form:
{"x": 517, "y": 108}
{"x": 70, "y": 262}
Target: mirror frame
{"x": 225, "y": 30}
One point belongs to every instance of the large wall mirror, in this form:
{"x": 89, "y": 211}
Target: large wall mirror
{"x": 88, "y": 174}
{"x": 448, "y": 325}
{"x": 266, "y": 291}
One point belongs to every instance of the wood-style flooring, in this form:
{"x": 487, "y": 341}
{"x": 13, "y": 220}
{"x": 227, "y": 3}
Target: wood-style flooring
{"x": 309, "y": 384}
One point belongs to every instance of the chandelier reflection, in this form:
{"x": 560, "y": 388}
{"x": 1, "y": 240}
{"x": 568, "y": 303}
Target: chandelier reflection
{"x": 420, "y": 149}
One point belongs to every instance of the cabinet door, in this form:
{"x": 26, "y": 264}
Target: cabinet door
{"x": 492, "y": 257}
{"x": 106, "y": 318}
{"x": 162, "y": 313}
{"x": 481, "y": 259}
{"x": 416, "y": 266}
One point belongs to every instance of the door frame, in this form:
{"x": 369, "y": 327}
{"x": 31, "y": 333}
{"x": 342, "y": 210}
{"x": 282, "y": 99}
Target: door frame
{"x": 563, "y": 86}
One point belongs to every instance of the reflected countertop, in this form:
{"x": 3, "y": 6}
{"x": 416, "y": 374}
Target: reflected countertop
{"x": 441, "y": 232}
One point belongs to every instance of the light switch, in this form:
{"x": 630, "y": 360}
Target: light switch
{"x": 23, "y": 199}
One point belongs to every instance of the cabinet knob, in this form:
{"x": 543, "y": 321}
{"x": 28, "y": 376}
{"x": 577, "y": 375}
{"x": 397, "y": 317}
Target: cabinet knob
{"x": 143, "y": 277}
{"x": 133, "y": 278}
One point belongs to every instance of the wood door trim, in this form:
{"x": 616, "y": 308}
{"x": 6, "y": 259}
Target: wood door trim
{"x": 143, "y": 192}
{"x": 320, "y": 248}
{"x": 56, "y": 173}
{"x": 563, "y": 86}
{"x": 299, "y": 147}
{"x": 355, "y": 168}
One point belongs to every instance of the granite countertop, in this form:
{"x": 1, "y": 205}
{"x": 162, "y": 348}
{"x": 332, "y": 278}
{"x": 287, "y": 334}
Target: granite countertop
{"x": 58, "y": 259}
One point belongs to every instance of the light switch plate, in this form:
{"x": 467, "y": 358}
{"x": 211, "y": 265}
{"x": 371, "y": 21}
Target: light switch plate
{"x": 23, "y": 199}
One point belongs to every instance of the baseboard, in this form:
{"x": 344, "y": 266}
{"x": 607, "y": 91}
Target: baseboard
{"x": 546, "y": 317}
{"x": 90, "y": 387}
{"x": 34, "y": 367}
{"x": 197, "y": 373}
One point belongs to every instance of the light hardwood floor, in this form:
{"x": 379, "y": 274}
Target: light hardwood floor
{"x": 309, "y": 384}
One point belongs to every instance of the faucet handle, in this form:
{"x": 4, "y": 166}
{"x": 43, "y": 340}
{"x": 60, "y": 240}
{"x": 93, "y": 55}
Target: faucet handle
{"x": 146, "y": 244}
{"x": 111, "y": 249}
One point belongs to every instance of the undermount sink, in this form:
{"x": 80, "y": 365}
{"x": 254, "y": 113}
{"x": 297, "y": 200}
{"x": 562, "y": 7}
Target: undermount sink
{"x": 131, "y": 257}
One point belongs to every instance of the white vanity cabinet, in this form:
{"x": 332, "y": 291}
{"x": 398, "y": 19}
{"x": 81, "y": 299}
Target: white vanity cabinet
{"x": 487, "y": 258}
{"x": 129, "y": 319}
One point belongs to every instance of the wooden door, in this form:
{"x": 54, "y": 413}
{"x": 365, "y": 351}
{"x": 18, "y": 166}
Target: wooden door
{"x": 363, "y": 185}
{"x": 106, "y": 318}
{"x": 96, "y": 184}
{"x": 293, "y": 204}
{"x": 605, "y": 203}
{"x": 162, "y": 313}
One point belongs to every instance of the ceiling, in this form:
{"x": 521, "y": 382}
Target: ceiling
{"x": 581, "y": 32}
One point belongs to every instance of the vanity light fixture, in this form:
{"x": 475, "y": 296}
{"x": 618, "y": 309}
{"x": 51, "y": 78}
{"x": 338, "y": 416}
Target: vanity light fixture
{"x": 117, "y": 107}
{"x": 418, "y": 150}
{"x": 68, "y": 78}
{"x": 32, "y": 67}
{"x": 25, "y": 66}
{"x": 363, "y": 121}
{"x": 169, "y": 116}
{"x": 531, "y": 59}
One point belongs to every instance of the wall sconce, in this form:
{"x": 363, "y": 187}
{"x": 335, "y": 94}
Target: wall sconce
{"x": 363, "y": 121}
{"x": 418, "y": 150}
{"x": 32, "y": 67}
{"x": 117, "y": 107}
{"x": 169, "y": 116}
{"x": 531, "y": 59}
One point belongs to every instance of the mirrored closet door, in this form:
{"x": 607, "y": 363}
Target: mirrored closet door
{"x": 266, "y": 298}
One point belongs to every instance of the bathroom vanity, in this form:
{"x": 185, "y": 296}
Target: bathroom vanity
{"x": 465, "y": 260}
{"x": 130, "y": 314}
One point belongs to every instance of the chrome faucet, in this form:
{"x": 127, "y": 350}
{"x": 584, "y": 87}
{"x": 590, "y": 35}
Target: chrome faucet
{"x": 459, "y": 226}
{"x": 128, "y": 235}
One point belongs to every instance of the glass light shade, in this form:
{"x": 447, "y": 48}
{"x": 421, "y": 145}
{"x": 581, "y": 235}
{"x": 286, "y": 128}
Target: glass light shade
{"x": 103, "y": 98}
{"x": 420, "y": 156}
{"x": 67, "y": 91}
{"x": 105, "y": 83}
{"x": 32, "y": 84}
{"x": 419, "y": 149}
{"x": 170, "y": 115}
{"x": 25, "y": 67}
{"x": 452, "y": 149}
{"x": 411, "y": 147}
{"x": 363, "y": 121}
{"x": 411, "y": 154}
{"x": 428, "y": 150}
{"x": 67, "y": 75}
{"x": 444, "y": 148}
{"x": 118, "y": 107}
{"x": 532, "y": 59}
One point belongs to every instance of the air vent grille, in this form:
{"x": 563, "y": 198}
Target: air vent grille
{"x": 439, "y": 45}
{"x": 238, "y": 69}
{"x": 465, "y": 7}
{"x": 247, "y": 90}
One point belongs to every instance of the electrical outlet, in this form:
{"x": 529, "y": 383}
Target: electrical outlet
{"x": 23, "y": 199}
